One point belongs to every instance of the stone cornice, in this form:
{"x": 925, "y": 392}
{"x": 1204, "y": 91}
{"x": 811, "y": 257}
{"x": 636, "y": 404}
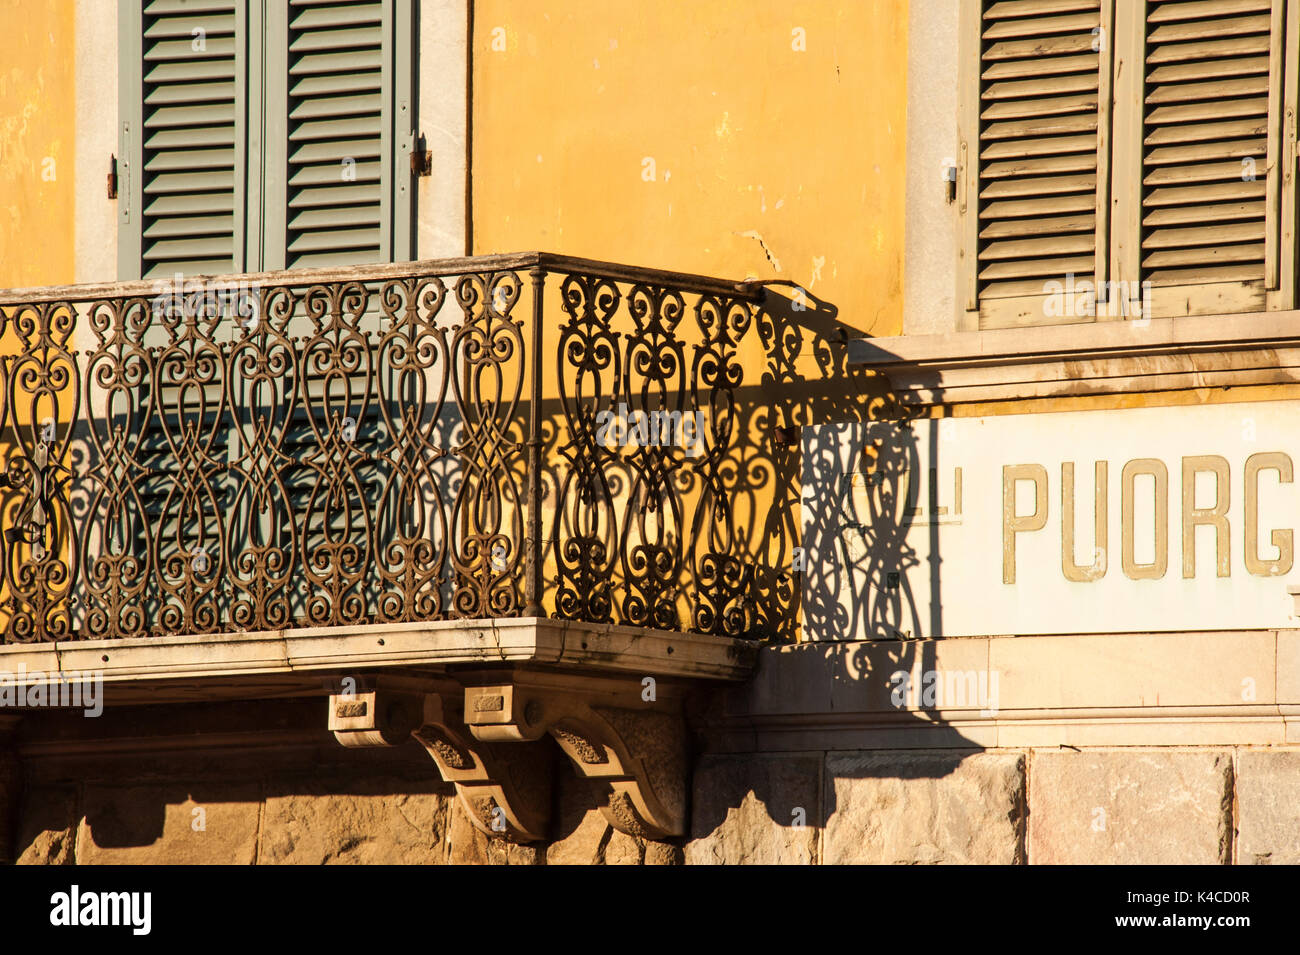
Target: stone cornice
{"x": 1103, "y": 358}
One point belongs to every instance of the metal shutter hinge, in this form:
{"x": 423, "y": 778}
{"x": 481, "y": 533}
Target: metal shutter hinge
{"x": 112, "y": 177}
{"x": 422, "y": 162}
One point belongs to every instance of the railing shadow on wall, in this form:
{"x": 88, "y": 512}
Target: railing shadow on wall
{"x": 853, "y": 502}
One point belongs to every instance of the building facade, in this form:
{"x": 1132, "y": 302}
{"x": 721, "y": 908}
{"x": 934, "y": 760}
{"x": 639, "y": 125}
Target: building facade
{"x": 917, "y": 488}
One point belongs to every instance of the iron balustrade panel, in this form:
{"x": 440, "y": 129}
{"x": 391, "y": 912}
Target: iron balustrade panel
{"x": 463, "y": 439}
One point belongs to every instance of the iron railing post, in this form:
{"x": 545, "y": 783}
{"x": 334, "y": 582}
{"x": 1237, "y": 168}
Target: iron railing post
{"x": 535, "y": 552}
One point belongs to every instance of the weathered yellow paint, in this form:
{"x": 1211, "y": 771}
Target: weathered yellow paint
{"x": 697, "y": 137}
{"x": 37, "y": 142}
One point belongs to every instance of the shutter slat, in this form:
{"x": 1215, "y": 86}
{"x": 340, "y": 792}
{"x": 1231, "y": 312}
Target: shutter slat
{"x": 1081, "y": 123}
{"x": 339, "y": 128}
{"x": 209, "y": 115}
{"x": 1206, "y": 256}
{"x": 335, "y": 150}
{"x": 1043, "y": 25}
{"x": 1020, "y": 208}
{"x": 1026, "y": 108}
{"x": 1208, "y": 50}
{"x": 1165, "y": 12}
{"x": 1199, "y": 112}
{"x": 1052, "y": 185}
{"x": 1041, "y": 86}
{"x": 190, "y": 137}
{"x": 316, "y": 241}
{"x": 1023, "y": 148}
{"x": 190, "y": 225}
{"x": 1039, "y": 46}
{"x": 218, "y": 47}
{"x": 189, "y": 72}
{"x": 1014, "y": 9}
{"x": 330, "y": 84}
{"x": 1026, "y": 248}
{"x": 214, "y": 180}
{"x": 192, "y": 159}
{"x": 1208, "y": 152}
{"x": 361, "y": 61}
{"x": 335, "y": 196}
{"x": 184, "y": 26}
{"x": 1043, "y": 66}
{"x": 1217, "y": 192}
{"x": 1232, "y": 129}
{"x": 1207, "y": 69}
{"x": 191, "y": 248}
{"x": 1058, "y": 267}
{"x": 1044, "y": 225}
{"x": 190, "y": 204}
{"x": 1208, "y": 29}
{"x": 1204, "y": 235}
{"x": 191, "y": 93}
{"x": 162, "y": 8}
{"x": 320, "y": 107}
{"x": 338, "y": 16}
{"x": 1073, "y": 162}
{"x": 1216, "y": 212}
{"x": 1219, "y": 89}
{"x": 1200, "y": 172}
{"x": 335, "y": 172}
{"x": 324, "y": 218}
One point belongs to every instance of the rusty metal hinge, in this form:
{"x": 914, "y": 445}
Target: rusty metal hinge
{"x": 112, "y": 177}
{"x": 422, "y": 162}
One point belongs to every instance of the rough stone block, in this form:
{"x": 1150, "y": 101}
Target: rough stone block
{"x": 1130, "y": 807}
{"x": 924, "y": 808}
{"x": 755, "y": 809}
{"x": 127, "y": 825}
{"x": 1268, "y": 807}
{"x": 365, "y": 821}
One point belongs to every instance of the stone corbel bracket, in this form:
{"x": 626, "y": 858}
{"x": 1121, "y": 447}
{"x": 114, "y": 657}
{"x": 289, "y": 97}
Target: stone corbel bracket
{"x": 486, "y": 732}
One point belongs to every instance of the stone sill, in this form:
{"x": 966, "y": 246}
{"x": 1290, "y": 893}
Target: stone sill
{"x": 216, "y": 666}
{"x": 1101, "y": 358}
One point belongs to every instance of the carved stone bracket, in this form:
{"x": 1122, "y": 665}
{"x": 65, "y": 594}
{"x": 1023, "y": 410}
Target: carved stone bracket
{"x": 487, "y": 733}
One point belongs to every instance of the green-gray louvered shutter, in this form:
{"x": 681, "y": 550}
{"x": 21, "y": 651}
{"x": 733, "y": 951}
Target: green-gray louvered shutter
{"x": 338, "y": 117}
{"x": 182, "y": 137}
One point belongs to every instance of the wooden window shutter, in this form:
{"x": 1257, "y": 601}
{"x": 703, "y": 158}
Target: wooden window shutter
{"x": 1036, "y": 146}
{"x": 338, "y": 131}
{"x": 182, "y": 138}
{"x": 1211, "y": 158}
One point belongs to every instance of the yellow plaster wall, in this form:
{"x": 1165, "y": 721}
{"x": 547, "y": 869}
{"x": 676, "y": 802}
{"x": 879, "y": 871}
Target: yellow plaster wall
{"x": 768, "y": 161}
{"x": 37, "y": 142}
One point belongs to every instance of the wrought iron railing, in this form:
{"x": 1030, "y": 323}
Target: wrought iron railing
{"x": 484, "y": 437}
